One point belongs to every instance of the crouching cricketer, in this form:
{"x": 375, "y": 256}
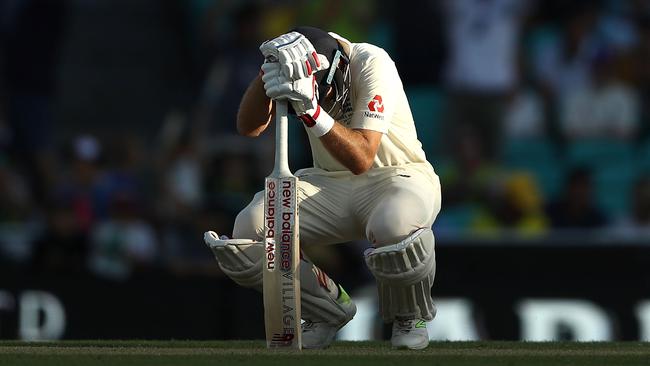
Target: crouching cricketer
{"x": 370, "y": 180}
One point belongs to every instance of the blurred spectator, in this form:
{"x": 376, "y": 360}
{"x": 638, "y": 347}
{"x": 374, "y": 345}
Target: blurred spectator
{"x": 127, "y": 172}
{"x": 15, "y": 195}
{"x": 183, "y": 249}
{"x": 637, "y": 223}
{"x": 562, "y": 56}
{"x": 617, "y": 24}
{"x": 123, "y": 243}
{"x": 525, "y": 116}
{"x": 181, "y": 197}
{"x": 183, "y": 178}
{"x": 576, "y": 208}
{"x": 469, "y": 179}
{"x": 516, "y": 205}
{"x": 181, "y": 170}
{"x": 19, "y": 220}
{"x": 85, "y": 187}
{"x": 605, "y": 108}
{"x": 481, "y": 71}
{"x": 63, "y": 246}
{"x": 232, "y": 180}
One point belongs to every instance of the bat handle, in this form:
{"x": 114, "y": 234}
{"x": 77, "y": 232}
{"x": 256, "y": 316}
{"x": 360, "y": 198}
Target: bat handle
{"x": 281, "y": 167}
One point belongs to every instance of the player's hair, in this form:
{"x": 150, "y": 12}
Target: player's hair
{"x": 337, "y": 75}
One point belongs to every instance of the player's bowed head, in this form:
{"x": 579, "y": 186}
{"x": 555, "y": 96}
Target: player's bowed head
{"x": 304, "y": 52}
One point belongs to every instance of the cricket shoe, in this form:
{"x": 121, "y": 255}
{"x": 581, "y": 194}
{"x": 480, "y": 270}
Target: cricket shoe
{"x": 320, "y": 334}
{"x": 410, "y": 334}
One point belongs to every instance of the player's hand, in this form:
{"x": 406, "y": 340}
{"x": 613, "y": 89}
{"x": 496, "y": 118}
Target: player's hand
{"x": 296, "y": 55}
{"x": 304, "y": 98}
{"x": 302, "y": 93}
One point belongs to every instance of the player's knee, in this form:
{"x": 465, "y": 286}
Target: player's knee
{"x": 401, "y": 213}
{"x": 385, "y": 229}
{"x": 248, "y": 225}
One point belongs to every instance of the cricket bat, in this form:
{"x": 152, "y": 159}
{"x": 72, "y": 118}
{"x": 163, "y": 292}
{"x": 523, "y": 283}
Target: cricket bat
{"x": 282, "y": 257}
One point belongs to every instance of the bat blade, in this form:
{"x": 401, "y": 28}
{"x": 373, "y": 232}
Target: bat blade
{"x": 280, "y": 266}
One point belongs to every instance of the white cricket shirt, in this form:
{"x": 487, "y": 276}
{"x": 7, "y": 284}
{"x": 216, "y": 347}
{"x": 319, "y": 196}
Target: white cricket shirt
{"x": 377, "y": 102}
{"x": 483, "y": 38}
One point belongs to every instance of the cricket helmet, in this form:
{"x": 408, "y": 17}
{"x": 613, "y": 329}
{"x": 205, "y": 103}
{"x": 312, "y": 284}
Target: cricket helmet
{"x": 336, "y": 76}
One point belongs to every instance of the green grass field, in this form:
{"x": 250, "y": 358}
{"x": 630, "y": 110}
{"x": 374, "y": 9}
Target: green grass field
{"x": 160, "y": 353}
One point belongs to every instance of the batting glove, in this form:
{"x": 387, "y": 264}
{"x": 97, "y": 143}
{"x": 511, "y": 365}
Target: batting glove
{"x": 302, "y": 93}
{"x": 296, "y": 55}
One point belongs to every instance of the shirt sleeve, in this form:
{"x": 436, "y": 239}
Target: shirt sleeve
{"x": 375, "y": 99}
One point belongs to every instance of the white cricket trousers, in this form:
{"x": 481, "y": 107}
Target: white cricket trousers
{"x": 383, "y": 205}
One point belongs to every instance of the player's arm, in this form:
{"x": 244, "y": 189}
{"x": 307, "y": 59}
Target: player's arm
{"x": 255, "y": 110}
{"x": 355, "y": 145}
{"x": 282, "y": 53}
{"x": 354, "y": 148}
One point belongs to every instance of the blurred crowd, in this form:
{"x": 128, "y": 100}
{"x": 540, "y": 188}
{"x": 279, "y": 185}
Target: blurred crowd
{"x": 118, "y": 146}
{"x": 544, "y": 114}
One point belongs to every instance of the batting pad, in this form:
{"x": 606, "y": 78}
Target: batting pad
{"x": 319, "y": 304}
{"x": 241, "y": 260}
{"x": 405, "y": 273}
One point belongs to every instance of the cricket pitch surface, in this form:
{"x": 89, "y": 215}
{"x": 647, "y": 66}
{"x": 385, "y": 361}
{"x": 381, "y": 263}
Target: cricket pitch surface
{"x": 160, "y": 353}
